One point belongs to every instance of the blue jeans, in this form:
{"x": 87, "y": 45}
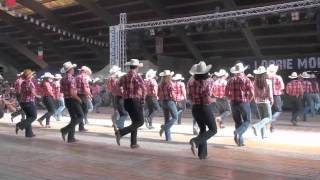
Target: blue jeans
{"x": 170, "y": 116}
{"x": 84, "y": 106}
{"x": 97, "y": 103}
{"x": 223, "y": 107}
{"x": 314, "y": 101}
{"x": 297, "y": 107}
{"x": 307, "y": 104}
{"x": 153, "y": 107}
{"x": 203, "y": 114}
{"x": 266, "y": 117}
{"x": 181, "y": 107}
{"x": 241, "y": 114}
{"x": 276, "y": 109}
{"x": 31, "y": 115}
{"x": 60, "y": 108}
{"x": 119, "y": 103}
{"x": 49, "y": 103}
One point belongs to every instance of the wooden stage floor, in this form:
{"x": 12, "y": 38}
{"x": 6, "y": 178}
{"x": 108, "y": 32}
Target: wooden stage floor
{"x": 97, "y": 156}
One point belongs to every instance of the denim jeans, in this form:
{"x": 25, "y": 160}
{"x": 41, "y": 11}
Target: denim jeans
{"x": 276, "y": 109}
{"x": 119, "y": 103}
{"x": 170, "y": 117}
{"x": 314, "y": 100}
{"x": 307, "y": 103}
{"x": 84, "y": 106}
{"x": 31, "y": 115}
{"x": 297, "y": 107}
{"x": 89, "y": 105}
{"x": 204, "y": 116}
{"x": 76, "y": 115}
{"x": 266, "y": 117}
{"x": 241, "y": 114}
{"x": 49, "y": 103}
{"x": 153, "y": 107}
{"x": 18, "y": 112}
{"x": 135, "y": 110}
{"x": 223, "y": 107}
{"x": 60, "y": 108}
{"x": 181, "y": 107}
{"x": 97, "y": 103}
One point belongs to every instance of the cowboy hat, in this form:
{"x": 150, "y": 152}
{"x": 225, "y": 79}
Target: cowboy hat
{"x": 272, "y": 69}
{"x": 47, "y": 75}
{"x": 200, "y": 68}
{"x": 250, "y": 76}
{"x": 151, "y": 74}
{"x": 58, "y": 76}
{"x": 313, "y": 76}
{"x": 134, "y": 62}
{"x": 119, "y": 74}
{"x": 96, "y": 80}
{"x": 114, "y": 69}
{"x": 86, "y": 69}
{"x": 19, "y": 74}
{"x": 221, "y": 72}
{"x": 166, "y": 73}
{"x": 260, "y": 70}
{"x": 305, "y": 75}
{"x": 1, "y": 77}
{"x": 67, "y": 66}
{"x": 27, "y": 73}
{"x": 238, "y": 68}
{"x": 178, "y": 77}
{"x": 293, "y": 75}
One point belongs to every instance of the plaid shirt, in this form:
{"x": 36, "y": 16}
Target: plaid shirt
{"x": 133, "y": 85}
{"x": 263, "y": 95}
{"x": 56, "y": 89}
{"x": 67, "y": 84}
{"x": 117, "y": 90}
{"x": 151, "y": 87}
{"x": 47, "y": 89}
{"x": 95, "y": 89}
{"x": 239, "y": 89}
{"x": 219, "y": 88}
{"x": 315, "y": 86}
{"x": 179, "y": 90}
{"x": 27, "y": 87}
{"x": 166, "y": 92}
{"x": 17, "y": 85}
{"x": 294, "y": 88}
{"x": 307, "y": 86}
{"x": 82, "y": 83}
{"x": 110, "y": 82}
{"x": 277, "y": 84}
{"x": 200, "y": 92}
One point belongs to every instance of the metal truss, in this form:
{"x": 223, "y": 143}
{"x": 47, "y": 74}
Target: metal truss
{"x": 245, "y": 13}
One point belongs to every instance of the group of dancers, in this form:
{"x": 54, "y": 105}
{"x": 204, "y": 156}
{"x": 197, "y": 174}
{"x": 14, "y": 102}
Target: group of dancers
{"x": 209, "y": 94}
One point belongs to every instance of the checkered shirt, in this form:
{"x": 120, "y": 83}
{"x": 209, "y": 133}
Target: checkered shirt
{"x": 27, "y": 87}
{"x": 166, "y": 92}
{"x": 219, "y": 88}
{"x": 67, "y": 84}
{"x": 17, "y": 85}
{"x": 315, "y": 86}
{"x": 47, "y": 89}
{"x": 179, "y": 90}
{"x": 133, "y": 85}
{"x": 110, "y": 82}
{"x": 82, "y": 83}
{"x": 56, "y": 89}
{"x": 239, "y": 89}
{"x": 277, "y": 84}
{"x": 117, "y": 90}
{"x": 151, "y": 87}
{"x": 294, "y": 88}
{"x": 307, "y": 86}
{"x": 200, "y": 92}
{"x": 95, "y": 89}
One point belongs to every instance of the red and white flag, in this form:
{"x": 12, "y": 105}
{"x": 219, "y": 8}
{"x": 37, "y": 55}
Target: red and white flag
{"x": 40, "y": 53}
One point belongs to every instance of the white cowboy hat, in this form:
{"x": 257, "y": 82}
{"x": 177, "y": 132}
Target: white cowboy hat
{"x": 134, "y": 62}
{"x": 67, "y": 66}
{"x": 250, "y": 76}
{"x": 96, "y": 80}
{"x": 166, "y": 73}
{"x": 58, "y": 76}
{"x": 200, "y": 68}
{"x": 313, "y": 76}
{"x": 271, "y": 69}
{"x": 47, "y": 75}
{"x": 238, "y": 68}
{"x": 293, "y": 75}
{"x": 260, "y": 70}
{"x": 221, "y": 72}
{"x": 86, "y": 69}
{"x": 305, "y": 75}
{"x": 151, "y": 74}
{"x": 114, "y": 69}
{"x": 19, "y": 74}
{"x": 119, "y": 74}
{"x": 178, "y": 77}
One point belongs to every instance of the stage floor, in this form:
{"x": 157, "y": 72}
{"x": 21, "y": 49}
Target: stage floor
{"x": 288, "y": 153}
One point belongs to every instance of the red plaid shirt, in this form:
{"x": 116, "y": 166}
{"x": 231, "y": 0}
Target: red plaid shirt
{"x": 17, "y": 85}
{"x": 95, "y": 89}
{"x": 67, "y": 84}
{"x": 315, "y": 86}
{"x": 180, "y": 90}
{"x": 133, "y": 85}
{"x": 27, "y": 87}
{"x": 56, "y": 89}
{"x": 82, "y": 83}
{"x": 239, "y": 89}
{"x": 294, "y": 88}
{"x": 166, "y": 92}
{"x": 110, "y": 82}
{"x": 151, "y": 87}
{"x": 200, "y": 92}
{"x": 117, "y": 90}
{"x": 307, "y": 86}
{"x": 47, "y": 89}
{"x": 277, "y": 84}
{"x": 219, "y": 88}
